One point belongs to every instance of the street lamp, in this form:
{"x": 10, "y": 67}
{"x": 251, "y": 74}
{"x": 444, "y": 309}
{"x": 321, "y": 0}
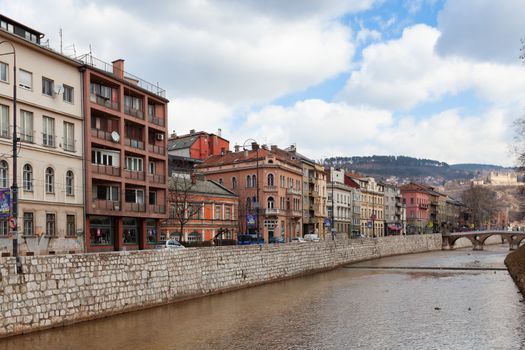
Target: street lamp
{"x": 257, "y": 204}
{"x": 14, "y": 187}
{"x": 332, "y": 228}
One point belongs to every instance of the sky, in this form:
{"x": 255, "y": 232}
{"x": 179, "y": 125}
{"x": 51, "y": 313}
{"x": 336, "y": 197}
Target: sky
{"x": 430, "y": 79}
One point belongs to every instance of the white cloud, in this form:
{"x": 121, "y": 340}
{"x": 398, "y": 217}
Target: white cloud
{"x": 484, "y": 30}
{"x": 198, "y": 114}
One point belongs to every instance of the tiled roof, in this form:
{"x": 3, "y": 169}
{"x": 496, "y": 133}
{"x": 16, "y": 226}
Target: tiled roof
{"x": 247, "y": 156}
{"x": 181, "y": 142}
{"x": 200, "y": 186}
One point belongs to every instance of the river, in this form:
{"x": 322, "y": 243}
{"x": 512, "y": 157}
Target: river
{"x": 389, "y": 303}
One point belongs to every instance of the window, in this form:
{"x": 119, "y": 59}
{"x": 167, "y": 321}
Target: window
{"x": 110, "y": 193}
{"x": 270, "y": 179}
{"x": 135, "y": 196}
{"x": 103, "y": 157}
{"x": 217, "y": 212}
{"x": 227, "y": 213}
{"x": 3, "y": 228}
{"x": 47, "y": 86}
{"x": 134, "y": 164}
{"x": 270, "y": 203}
{"x": 152, "y": 197}
{"x": 26, "y": 126}
{"x": 50, "y": 225}
{"x": 4, "y": 171}
{"x": 221, "y": 182}
{"x": 28, "y": 224}
{"x": 48, "y": 133}
{"x": 254, "y": 180}
{"x": 68, "y": 94}
{"x": 100, "y": 90}
{"x": 25, "y": 79}
{"x": 234, "y": 182}
{"x": 4, "y": 121}
{"x": 27, "y": 178}
{"x": 4, "y": 72}
{"x": 248, "y": 181}
{"x": 151, "y": 168}
{"x": 70, "y": 183}
{"x": 151, "y": 110}
{"x": 69, "y": 137}
{"x": 70, "y": 225}
{"x": 50, "y": 180}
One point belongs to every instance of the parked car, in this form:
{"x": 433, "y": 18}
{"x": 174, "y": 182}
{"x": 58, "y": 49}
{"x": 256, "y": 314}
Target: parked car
{"x": 173, "y": 244}
{"x": 247, "y": 239}
{"x": 298, "y": 240}
{"x": 276, "y": 240}
{"x": 311, "y": 237}
{"x": 357, "y": 235}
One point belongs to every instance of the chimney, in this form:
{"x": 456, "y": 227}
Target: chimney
{"x": 255, "y": 146}
{"x": 274, "y": 148}
{"x": 264, "y": 147}
{"x": 219, "y": 132}
{"x": 118, "y": 68}
{"x": 173, "y": 135}
{"x": 236, "y": 148}
{"x": 192, "y": 132}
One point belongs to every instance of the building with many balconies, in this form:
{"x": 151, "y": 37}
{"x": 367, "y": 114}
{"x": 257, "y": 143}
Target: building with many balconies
{"x": 126, "y": 157}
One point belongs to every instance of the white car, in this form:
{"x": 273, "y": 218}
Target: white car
{"x": 311, "y": 237}
{"x": 174, "y": 244}
{"x": 298, "y": 239}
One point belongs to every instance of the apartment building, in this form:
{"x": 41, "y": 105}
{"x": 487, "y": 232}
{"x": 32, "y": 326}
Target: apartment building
{"x": 417, "y": 201}
{"x": 394, "y": 210}
{"x": 314, "y": 195}
{"x": 198, "y": 144}
{"x": 341, "y": 203}
{"x": 268, "y": 182}
{"x": 126, "y": 157}
{"x": 49, "y": 127}
{"x": 372, "y": 206}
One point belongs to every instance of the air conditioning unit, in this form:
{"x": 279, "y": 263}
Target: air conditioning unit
{"x": 58, "y": 89}
{"x": 159, "y": 136}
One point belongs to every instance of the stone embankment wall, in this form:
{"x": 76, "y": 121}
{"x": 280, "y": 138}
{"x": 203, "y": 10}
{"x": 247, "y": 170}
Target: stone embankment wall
{"x": 515, "y": 262}
{"x": 58, "y": 290}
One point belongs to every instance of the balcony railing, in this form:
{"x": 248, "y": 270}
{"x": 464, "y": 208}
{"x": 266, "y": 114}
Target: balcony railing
{"x": 295, "y": 213}
{"x": 134, "y": 143}
{"x": 105, "y": 169}
{"x": 69, "y": 145}
{"x": 101, "y": 134}
{"x": 137, "y": 113}
{"x": 156, "y": 120}
{"x": 423, "y": 205}
{"x": 271, "y": 211}
{"x": 4, "y": 133}
{"x": 270, "y": 188}
{"x": 293, "y": 191}
{"x": 138, "y": 207}
{"x": 104, "y": 101}
{"x": 156, "y": 149}
{"x": 49, "y": 140}
{"x": 134, "y": 175}
{"x": 26, "y": 136}
{"x": 158, "y": 209}
{"x": 106, "y": 204}
{"x": 158, "y": 179}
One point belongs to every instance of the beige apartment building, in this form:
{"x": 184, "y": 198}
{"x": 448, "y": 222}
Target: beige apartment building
{"x": 372, "y": 206}
{"x": 268, "y": 182}
{"x": 49, "y": 127}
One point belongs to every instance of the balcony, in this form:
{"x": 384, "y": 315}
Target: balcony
{"x": 104, "y": 101}
{"x": 136, "y": 207}
{"x": 293, "y": 191}
{"x": 134, "y": 143}
{"x": 137, "y": 113}
{"x": 49, "y": 140}
{"x": 157, "y": 209}
{"x": 134, "y": 175}
{"x": 423, "y": 205}
{"x": 105, "y": 169}
{"x": 156, "y": 149}
{"x": 101, "y": 134}
{"x": 157, "y": 179}
{"x": 314, "y": 193}
{"x": 295, "y": 213}
{"x": 156, "y": 120}
{"x": 271, "y": 211}
{"x": 104, "y": 204}
{"x": 270, "y": 188}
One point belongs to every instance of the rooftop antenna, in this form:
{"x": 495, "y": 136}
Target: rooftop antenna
{"x": 60, "y": 34}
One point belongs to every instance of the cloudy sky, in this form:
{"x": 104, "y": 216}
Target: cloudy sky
{"x": 424, "y": 78}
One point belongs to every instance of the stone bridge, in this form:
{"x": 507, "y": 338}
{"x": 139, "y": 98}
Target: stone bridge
{"x": 478, "y": 238}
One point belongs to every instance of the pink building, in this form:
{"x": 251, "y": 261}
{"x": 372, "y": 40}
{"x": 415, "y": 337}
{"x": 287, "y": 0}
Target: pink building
{"x": 417, "y": 201}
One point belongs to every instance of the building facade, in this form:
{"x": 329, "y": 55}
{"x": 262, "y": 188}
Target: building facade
{"x": 341, "y": 203}
{"x": 372, "y": 207}
{"x": 49, "y": 129}
{"x": 208, "y": 209}
{"x": 125, "y": 158}
{"x": 198, "y": 145}
{"x": 417, "y": 201}
{"x": 269, "y": 185}
{"x": 394, "y": 210}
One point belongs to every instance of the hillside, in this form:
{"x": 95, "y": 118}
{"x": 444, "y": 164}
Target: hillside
{"x": 411, "y": 169}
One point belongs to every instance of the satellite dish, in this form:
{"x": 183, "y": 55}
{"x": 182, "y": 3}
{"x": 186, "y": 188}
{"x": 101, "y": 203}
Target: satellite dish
{"x": 115, "y": 136}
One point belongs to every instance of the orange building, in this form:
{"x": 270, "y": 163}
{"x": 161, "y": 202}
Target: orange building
{"x": 269, "y": 185}
{"x": 213, "y": 209}
{"x": 125, "y": 156}
{"x": 198, "y": 145}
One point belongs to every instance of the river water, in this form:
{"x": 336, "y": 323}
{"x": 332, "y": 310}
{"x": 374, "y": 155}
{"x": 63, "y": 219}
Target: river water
{"x": 370, "y": 305}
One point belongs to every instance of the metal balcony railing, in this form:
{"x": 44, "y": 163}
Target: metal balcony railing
{"x": 156, "y": 120}
{"x": 134, "y": 143}
{"x": 105, "y": 169}
{"x": 104, "y": 101}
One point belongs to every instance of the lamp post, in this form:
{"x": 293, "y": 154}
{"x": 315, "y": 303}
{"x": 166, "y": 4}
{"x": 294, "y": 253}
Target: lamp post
{"x": 257, "y": 204}
{"x": 14, "y": 187}
{"x": 332, "y": 228}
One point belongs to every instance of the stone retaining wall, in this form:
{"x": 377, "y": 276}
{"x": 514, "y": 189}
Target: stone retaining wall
{"x": 58, "y": 290}
{"x": 515, "y": 262}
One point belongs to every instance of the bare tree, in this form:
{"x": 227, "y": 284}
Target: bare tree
{"x": 482, "y": 202}
{"x": 182, "y": 193}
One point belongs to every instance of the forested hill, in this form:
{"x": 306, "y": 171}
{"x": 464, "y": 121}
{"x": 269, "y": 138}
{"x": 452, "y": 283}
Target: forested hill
{"x": 409, "y": 168}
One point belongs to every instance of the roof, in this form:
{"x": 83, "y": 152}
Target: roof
{"x": 248, "y": 156}
{"x": 181, "y": 142}
{"x": 200, "y": 186}
{"x": 23, "y": 26}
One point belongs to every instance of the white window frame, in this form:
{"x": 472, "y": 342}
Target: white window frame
{"x": 49, "y": 180}
{"x": 27, "y": 176}
{"x": 69, "y": 136}
{"x": 134, "y": 163}
{"x": 26, "y": 126}
{"x": 70, "y": 183}
{"x": 68, "y": 94}
{"x": 47, "y": 86}
{"x": 4, "y": 121}
{"x": 4, "y": 72}
{"x": 48, "y": 131}
{"x": 4, "y": 174}
{"x": 25, "y": 79}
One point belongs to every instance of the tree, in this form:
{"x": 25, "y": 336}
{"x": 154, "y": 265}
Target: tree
{"x": 182, "y": 194}
{"x": 482, "y": 203}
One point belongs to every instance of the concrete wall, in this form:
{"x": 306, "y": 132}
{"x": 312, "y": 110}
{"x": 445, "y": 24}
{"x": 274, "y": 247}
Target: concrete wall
{"x": 56, "y": 290}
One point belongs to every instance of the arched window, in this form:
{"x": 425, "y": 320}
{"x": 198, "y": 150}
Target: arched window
{"x": 4, "y": 173}
{"x": 70, "y": 183}
{"x": 221, "y": 182}
{"x": 248, "y": 203}
{"x": 248, "y": 181}
{"x": 254, "y": 180}
{"x": 270, "y": 179}
{"x": 50, "y": 180}
{"x": 270, "y": 203}
{"x": 234, "y": 182}
{"x": 27, "y": 178}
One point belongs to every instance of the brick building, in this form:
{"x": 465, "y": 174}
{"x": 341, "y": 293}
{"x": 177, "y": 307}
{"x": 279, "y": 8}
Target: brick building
{"x": 198, "y": 145}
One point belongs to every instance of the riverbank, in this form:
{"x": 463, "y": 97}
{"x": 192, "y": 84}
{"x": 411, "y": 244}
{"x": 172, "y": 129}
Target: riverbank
{"x": 515, "y": 263}
{"x": 56, "y": 290}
